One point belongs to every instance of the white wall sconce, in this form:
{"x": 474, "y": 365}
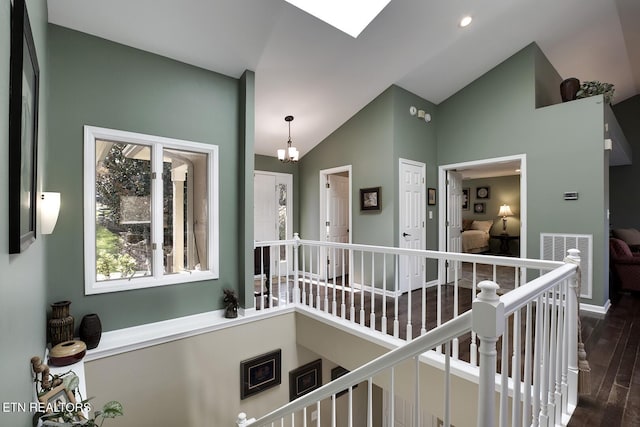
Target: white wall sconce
{"x": 49, "y": 210}
{"x": 420, "y": 114}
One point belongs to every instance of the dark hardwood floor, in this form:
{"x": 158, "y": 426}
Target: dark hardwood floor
{"x": 612, "y": 345}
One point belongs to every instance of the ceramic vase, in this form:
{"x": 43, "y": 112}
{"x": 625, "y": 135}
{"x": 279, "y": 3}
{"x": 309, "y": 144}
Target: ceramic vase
{"x": 569, "y": 88}
{"x": 91, "y": 330}
{"x": 61, "y": 323}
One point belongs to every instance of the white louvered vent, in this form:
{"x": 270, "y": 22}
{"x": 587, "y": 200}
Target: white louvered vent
{"x": 553, "y": 247}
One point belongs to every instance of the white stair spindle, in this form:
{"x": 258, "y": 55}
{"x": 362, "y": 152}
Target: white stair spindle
{"x": 372, "y": 315}
{"x": 361, "y": 288}
{"x": 383, "y": 319}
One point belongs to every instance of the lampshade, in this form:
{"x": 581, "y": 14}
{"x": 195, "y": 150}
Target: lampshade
{"x": 291, "y": 153}
{"x": 505, "y": 210}
{"x": 49, "y": 210}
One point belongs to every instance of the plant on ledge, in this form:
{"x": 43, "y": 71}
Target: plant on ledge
{"x": 592, "y": 88}
{"x": 67, "y": 418}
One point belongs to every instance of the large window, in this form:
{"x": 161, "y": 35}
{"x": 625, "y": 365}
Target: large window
{"x": 150, "y": 211}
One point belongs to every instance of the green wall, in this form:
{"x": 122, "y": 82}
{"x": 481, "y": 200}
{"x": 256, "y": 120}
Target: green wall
{"x": 495, "y": 116}
{"x": 372, "y": 142}
{"x": 23, "y": 301}
{"x": 101, "y": 83}
{"x": 365, "y": 141}
{"x": 625, "y": 204}
{"x": 272, "y": 164}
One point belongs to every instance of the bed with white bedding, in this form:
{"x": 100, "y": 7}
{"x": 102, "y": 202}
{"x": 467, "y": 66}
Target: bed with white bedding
{"x": 475, "y": 236}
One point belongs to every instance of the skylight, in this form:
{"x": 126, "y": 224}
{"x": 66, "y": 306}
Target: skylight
{"x": 349, "y": 16}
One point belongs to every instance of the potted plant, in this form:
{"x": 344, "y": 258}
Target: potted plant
{"x": 68, "y": 418}
{"x": 594, "y": 87}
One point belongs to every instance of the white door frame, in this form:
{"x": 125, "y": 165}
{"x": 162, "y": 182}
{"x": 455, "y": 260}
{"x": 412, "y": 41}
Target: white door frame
{"x": 423, "y": 190}
{"x": 324, "y": 173}
{"x": 323, "y": 198}
{"x": 288, "y": 178}
{"x": 442, "y": 186}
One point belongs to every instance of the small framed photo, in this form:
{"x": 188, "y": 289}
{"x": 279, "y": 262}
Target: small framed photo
{"x": 305, "y": 379}
{"x": 260, "y": 373}
{"x": 482, "y": 193}
{"x": 479, "y": 208}
{"x": 465, "y": 199}
{"x": 59, "y": 400}
{"x": 370, "y": 199}
{"x": 431, "y": 196}
{"x": 336, "y": 373}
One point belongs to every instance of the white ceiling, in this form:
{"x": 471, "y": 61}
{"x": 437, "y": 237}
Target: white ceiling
{"x": 322, "y": 76}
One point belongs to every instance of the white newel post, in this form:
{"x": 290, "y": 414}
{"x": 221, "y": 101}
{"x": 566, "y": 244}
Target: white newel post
{"x": 488, "y": 323}
{"x": 242, "y": 420}
{"x": 572, "y": 338}
{"x": 296, "y": 281}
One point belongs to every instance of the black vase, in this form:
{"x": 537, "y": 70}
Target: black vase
{"x": 91, "y": 330}
{"x": 569, "y": 88}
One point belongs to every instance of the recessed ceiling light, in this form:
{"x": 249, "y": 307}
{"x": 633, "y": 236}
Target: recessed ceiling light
{"x": 464, "y": 22}
{"x": 349, "y": 16}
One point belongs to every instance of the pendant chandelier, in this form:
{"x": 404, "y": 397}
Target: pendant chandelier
{"x": 290, "y": 154}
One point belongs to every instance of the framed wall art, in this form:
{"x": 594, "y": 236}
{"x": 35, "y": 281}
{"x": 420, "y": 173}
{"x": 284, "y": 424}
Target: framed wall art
{"x": 431, "y": 196}
{"x": 482, "y": 192}
{"x": 479, "y": 208}
{"x": 336, "y": 373}
{"x": 305, "y": 379}
{"x": 465, "y": 199}
{"x": 370, "y": 199}
{"x": 260, "y": 373}
{"x": 24, "y": 80}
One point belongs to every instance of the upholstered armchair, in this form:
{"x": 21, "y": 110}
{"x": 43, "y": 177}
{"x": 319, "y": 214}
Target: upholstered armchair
{"x": 625, "y": 264}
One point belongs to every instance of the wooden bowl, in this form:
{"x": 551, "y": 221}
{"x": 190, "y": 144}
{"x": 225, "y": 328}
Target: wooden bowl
{"x": 67, "y": 353}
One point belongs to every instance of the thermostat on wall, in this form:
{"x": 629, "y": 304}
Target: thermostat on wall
{"x": 571, "y": 195}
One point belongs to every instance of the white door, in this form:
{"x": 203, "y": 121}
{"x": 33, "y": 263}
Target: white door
{"x": 454, "y": 218}
{"x": 273, "y": 215}
{"x": 337, "y": 222}
{"x": 412, "y": 226}
{"x": 265, "y": 214}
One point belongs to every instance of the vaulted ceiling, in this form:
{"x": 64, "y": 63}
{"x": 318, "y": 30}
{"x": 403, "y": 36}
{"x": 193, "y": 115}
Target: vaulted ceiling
{"x": 322, "y": 76}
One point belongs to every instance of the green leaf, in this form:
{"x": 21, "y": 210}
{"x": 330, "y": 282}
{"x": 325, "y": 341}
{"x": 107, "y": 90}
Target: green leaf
{"x": 71, "y": 382}
{"x": 112, "y": 409}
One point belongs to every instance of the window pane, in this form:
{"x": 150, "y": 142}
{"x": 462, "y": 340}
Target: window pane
{"x": 282, "y": 217}
{"x": 123, "y": 210}
{"x": 186, "y": 220}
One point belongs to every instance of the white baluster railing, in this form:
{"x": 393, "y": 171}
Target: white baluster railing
{"x": 534, "y": 324}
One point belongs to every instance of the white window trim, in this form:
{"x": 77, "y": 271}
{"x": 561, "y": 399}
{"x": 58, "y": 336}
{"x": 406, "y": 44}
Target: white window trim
{"x": 157, "y": 278}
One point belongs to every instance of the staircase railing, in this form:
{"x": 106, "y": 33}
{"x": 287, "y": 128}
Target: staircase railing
{"x": 532, "y": 327}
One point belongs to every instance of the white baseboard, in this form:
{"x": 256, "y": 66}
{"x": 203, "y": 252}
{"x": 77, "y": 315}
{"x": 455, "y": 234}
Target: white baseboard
{"x": 596, "y": 309}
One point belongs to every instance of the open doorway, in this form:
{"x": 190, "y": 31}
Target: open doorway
{"x": 485, "y": 209}
{"x": 476, "y": 196}
{"x": 335, "y": 214}
{"x": 273, "y": 215}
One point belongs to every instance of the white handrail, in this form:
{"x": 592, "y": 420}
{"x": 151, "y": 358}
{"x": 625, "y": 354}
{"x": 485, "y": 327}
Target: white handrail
{"x": 519, "y": 297}
{"x": 435, "y": 337}
{"x": 450, "y": 256}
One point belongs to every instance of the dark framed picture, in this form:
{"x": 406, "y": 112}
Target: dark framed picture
{"x": 482, "y": 193}
{"x": 260, "y": 373}
{"x": 337, "y": 372}
{"x": 431, "y": 196}
{"x": 465, "y": 199}
{"x": 479, "y": 208}
{"x": 24, "y": 80}
{"x": 304, "y": 379}
{"x": 370, "y": 199}
{"x": 58, "y": 400}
